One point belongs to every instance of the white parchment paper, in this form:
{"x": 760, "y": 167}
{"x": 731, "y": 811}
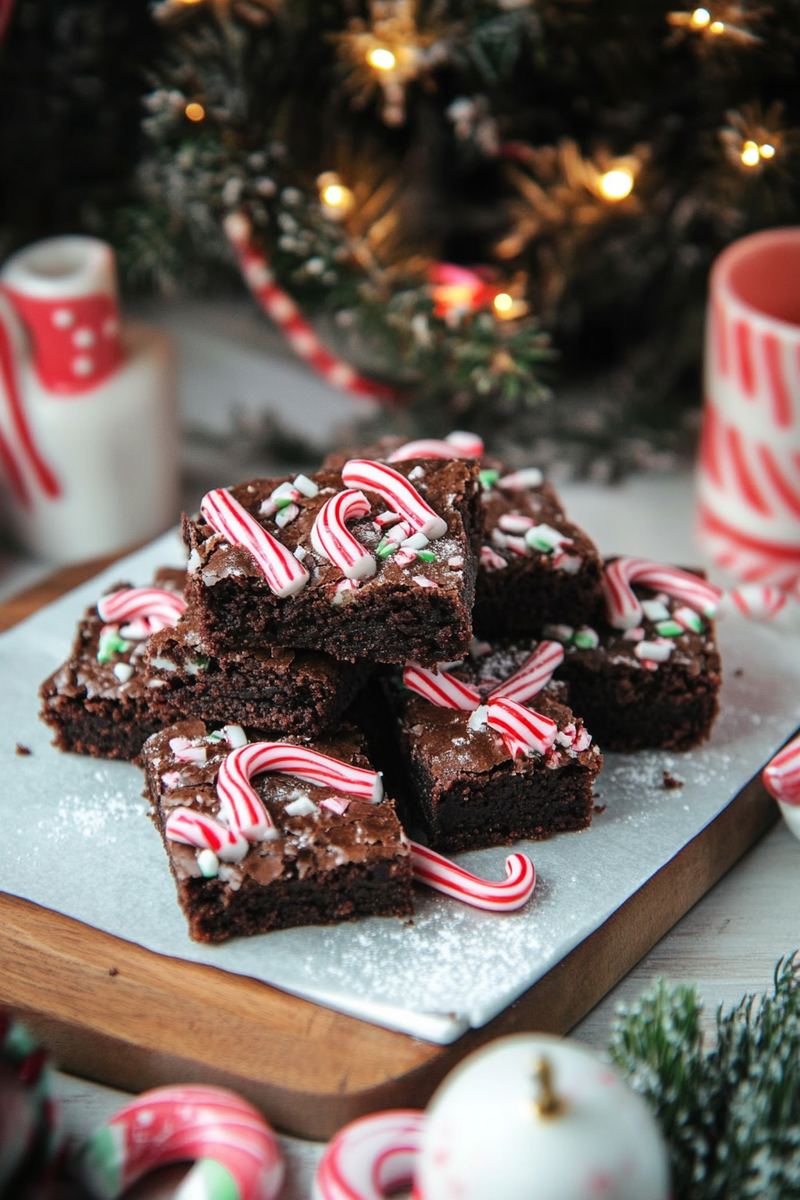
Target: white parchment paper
{"x": 75, "y": 838}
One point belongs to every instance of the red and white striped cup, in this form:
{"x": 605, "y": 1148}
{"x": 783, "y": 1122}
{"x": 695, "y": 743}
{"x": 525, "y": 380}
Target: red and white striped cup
{"x": 749, "y": 471}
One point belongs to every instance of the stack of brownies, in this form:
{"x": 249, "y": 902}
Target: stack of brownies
{"x": 413, "y": 612}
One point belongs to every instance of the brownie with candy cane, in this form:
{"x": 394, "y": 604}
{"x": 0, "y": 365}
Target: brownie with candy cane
{"x": 264, "y": 835}
{"x": 648, "y": 673}
{"x": 100, "y": 702}
{"x": 492, "y": 751}
{"x": 367, "y": 562}
{"x": 273, "y": 687}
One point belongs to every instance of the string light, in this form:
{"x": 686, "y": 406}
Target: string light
{"x": 503, "y": 303}
{"x": 716, "y": 27}
{"x": 616, "y": 184}
{"x": 766, "y": 151}
{"x": 381, "y": 59}
{"x": 337, "y": 200}
{"x": 194, "y": 111}
{"x": 700, "y": 17}
{"x": 750, "y": 155}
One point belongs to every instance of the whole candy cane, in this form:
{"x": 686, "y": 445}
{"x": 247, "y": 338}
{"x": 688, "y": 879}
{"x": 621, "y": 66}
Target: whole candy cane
{"x": 532, "y": 676}
{"x": 236, "y": 1155}
{"x": 781, "y": 775}
{"x": 622, "y": 605}
{"x": 440, "y": 688}
{"x": 284, "y": 574}
{"x": 442, "y": 875}
{"x": 157, "y": 606}
{"x": 522, "y": 729}
{"x": 242, "y": 809}
{"x": 371, "y": 1158}
{"x": 457, "y": 444}
{"x": 397, "y": 492}
{"x": 331, "y": 538}
{"x": 196, "y": 829}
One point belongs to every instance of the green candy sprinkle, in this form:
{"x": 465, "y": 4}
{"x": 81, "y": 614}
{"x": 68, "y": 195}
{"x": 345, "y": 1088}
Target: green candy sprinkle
{"x": 110, "y": 644}
{"x": 426, "y": 555}
{"x": 201, "y": 663}
{"x": 386, "y": 548}
{"x": 585, "y": 638}
{"x": 488, "y": 477}
{"x": 669, "y": 628}
{"x": 282, "y": 501}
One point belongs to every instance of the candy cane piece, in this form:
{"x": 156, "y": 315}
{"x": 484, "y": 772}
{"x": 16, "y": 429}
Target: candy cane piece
{"x": 440, "y": 688}
{"x": 157, "y": 606}
{"x": 758, "y": 601}
{"x": 193, "y": 828}
{"x": 532, "y": 676}
{"x": 522, "y": 729}
{"x": 372, "y": 1157}
{"x": 781, "y": 775}
{"x": 242, "y": 809}
{"x": 235, "y": 1152}
{"x": 397, "y": 492}
{"x": 457, "y": 444}
{"x": 527, "y": 477}
{"x": 622, "y": 605}
{"x": 331, "y": 538}
{"x": 442, "y": 875}
{"x": 284, "y": 573}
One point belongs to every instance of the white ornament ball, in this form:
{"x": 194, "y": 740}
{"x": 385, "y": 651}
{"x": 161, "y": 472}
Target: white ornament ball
{"x": 489, "y": 1134}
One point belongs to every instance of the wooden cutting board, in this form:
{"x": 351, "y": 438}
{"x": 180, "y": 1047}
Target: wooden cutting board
{"x": 117, "y": 1013}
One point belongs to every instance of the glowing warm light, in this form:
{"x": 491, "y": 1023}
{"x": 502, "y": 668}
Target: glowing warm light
{"x": 750, "y": 154}
{"x": 503, "y": 302}
{"x": 191, "y": 1}
{"x": 381, "y": 59}
{"x": 616, "y": 185}
{"x": 716, "y": 27}
{"x": 700, "y": 17}
{"x": 766, "y": 151}
{"x": 334, "y": 195}
{"x": 195, "y": 111}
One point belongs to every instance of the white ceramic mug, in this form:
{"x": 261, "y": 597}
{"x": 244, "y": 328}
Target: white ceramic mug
{"x": 749, "y": 471}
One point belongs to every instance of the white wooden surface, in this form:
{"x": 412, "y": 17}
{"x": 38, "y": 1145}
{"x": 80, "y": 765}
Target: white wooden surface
{"x": 727, "y": 944}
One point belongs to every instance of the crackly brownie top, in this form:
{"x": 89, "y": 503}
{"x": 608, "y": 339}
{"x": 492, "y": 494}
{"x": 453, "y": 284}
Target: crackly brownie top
{"x": 453, "y": 743}
{"x": 107, "y": 661}
{"x": 446, "y": 486}
{"x": 527, "y": 523}
{"x": 311, "y": 839}
{"x": 669, "y": 635}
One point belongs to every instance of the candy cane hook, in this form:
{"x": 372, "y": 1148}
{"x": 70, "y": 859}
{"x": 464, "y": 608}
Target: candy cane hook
{"x": 623, "y": 606}
{"x": 157, "y": 606}
{"x": 439, "y": 873}
{"x": 331, "y": 538}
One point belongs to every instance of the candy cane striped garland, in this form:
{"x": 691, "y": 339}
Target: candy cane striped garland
{"x": 397, "y": 492}
{"x": 236, "y": 1154}
{"x": 371, "y": 1158}
{"x": 158, "y": 607}
{"x": 623, "y": 606}
{"x": 331, "y": 538}
{"x": 523, "y": 730}
{"x": 242, "y": 808}
{"x": 279, "y": 306}
{"x": 444, "y": 876}
{"x": 532, "y": 676}
{"x": 457, "y": 444}
{"x": 194, "y": 828}
{"x": 440, "y": 688}
{"x": 781, "y": 775}
{"x": 284, "y": 574}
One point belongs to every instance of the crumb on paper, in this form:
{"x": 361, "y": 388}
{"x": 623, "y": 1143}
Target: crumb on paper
{"x": 599, "y": 808}
{"x": 739, "y": 672}
{"x": 113, "y": 971}
{"x": 670, "y": 782}
{"x": 23, "y": 751}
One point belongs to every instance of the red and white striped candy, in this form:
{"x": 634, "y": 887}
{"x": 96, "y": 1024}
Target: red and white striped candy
{"x": 235, "y": 1152}
{"x": 158, "y": 607}
{"x": 491, "y": 560}
{"x": 781, "y": 775}
{"x": 522, "y": 729}
{"x": 622, "y": 605}
{"x": 442, "y": 875}
{"x": 331, "y": 538}
{"x": 241, "y": 807}
{"x": 194, "y": 828}
{"x": 371, "y": 1158}
{"x": 457, "y": 444}
{"x": 440, "y": 688}
{"x": 758, "y": 601}
{"x": 284, "y": 573}
{"x": 532, "y": 676}
{"x": 397, "y": 492}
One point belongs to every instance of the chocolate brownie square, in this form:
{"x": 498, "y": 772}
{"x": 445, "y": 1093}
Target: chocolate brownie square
{"x": 653, "y": 685}
{"x": 466, "y": 789}
{"x": 99, "y": 702}
{"x": 536, "y": 567}
{"x": 415, "y": 599}
{"x": 286, "y": 691}
{"x": 329, "y": 857}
